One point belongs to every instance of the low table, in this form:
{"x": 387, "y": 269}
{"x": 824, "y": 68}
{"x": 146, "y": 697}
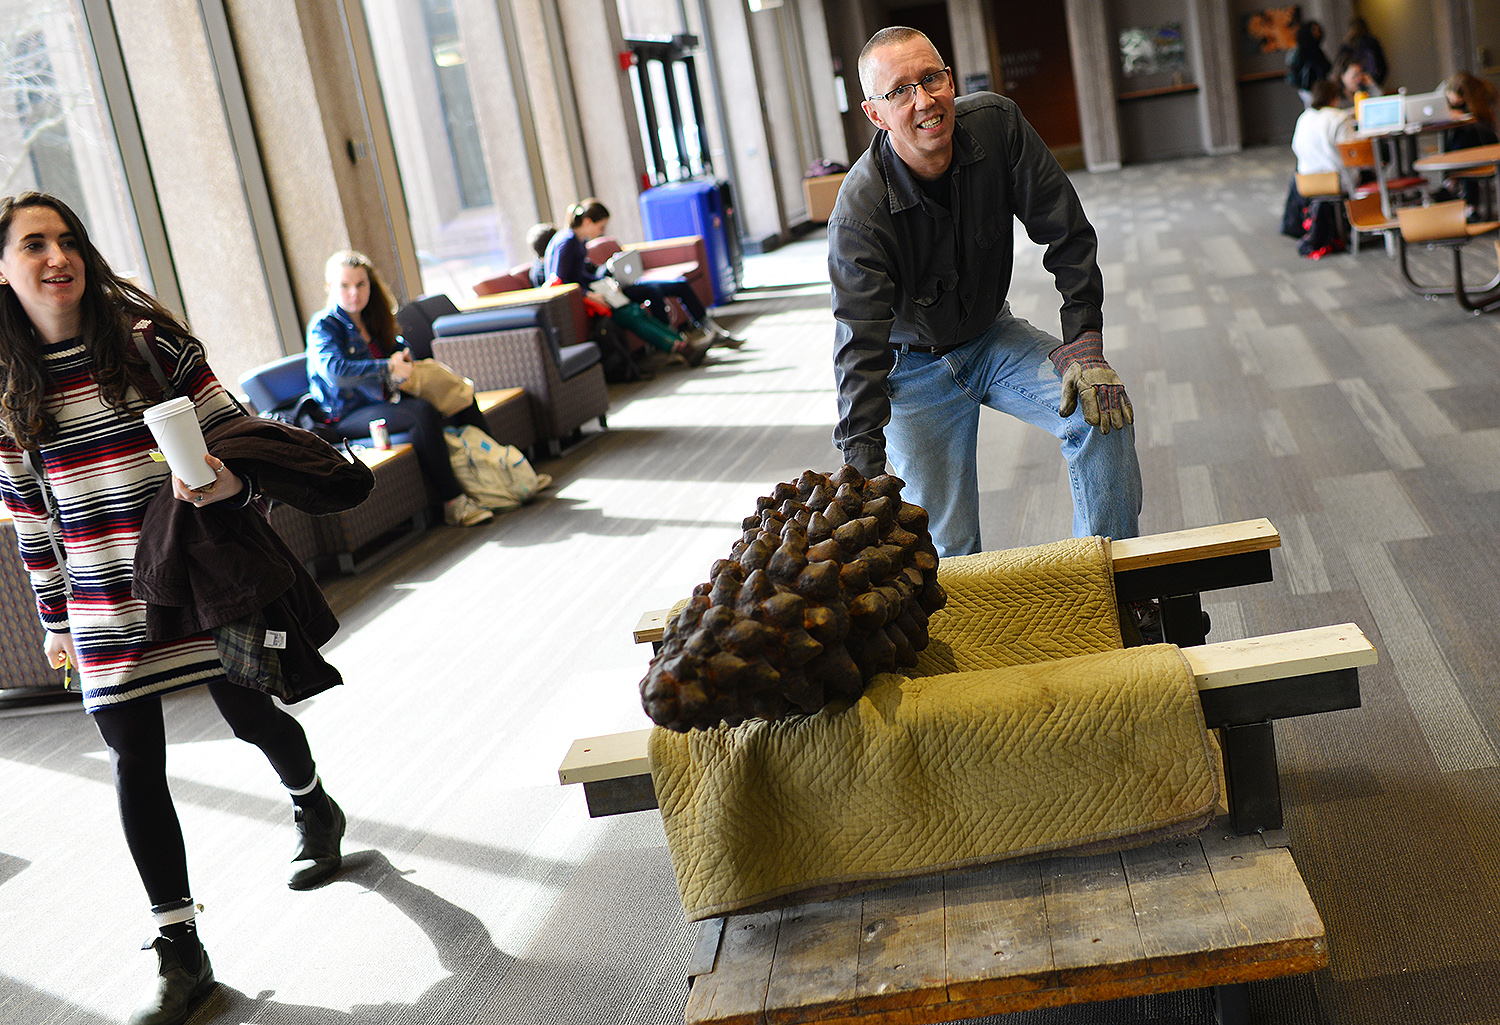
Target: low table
{"x": 1214, "y": 910}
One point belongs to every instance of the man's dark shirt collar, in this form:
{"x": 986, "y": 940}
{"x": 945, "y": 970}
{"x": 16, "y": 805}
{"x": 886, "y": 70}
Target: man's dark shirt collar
{"x": 902, "y": 188}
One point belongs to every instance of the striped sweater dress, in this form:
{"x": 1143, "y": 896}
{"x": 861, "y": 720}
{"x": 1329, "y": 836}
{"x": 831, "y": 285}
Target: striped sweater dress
{"x": 101, "y": 470}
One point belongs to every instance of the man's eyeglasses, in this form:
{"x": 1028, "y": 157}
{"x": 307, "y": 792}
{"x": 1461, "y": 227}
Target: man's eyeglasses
{"x": 937, "y": 82}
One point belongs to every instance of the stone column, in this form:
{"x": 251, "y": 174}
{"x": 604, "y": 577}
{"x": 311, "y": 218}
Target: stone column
{"x": 505, "y": 115}
{"x": 316, "y": 151}
{"x": 1092, "y": 48}
{"x": 753, "y": 153}
{"x": 606, "y": 112}
{"x": 1218, "y": 90}
{"x": 973, "y": 43}
{"x": 193, "y": 163}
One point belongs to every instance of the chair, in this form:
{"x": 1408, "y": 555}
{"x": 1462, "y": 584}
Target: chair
{"x": 1366, "y": 218}
{"x": 400, "y": 498}
{"x": 1360, "y": 156}
{"x": 415, "y": 321}
{"x": 273, "y": 385}
{"x": 1323, "y": 187}
{"x": 513, "y": 280}
{"x": 1482, "y": 195}
{"x": 534, "y": 345}
{"x": 1442, "y": 225}
{"x": 663, "y": 260}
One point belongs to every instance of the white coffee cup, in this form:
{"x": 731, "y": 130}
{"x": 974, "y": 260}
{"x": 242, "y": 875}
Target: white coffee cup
{"x": 174, "y": 424}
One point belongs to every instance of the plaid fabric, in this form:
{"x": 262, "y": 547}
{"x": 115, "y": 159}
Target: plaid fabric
{"x": 246, "y": 659}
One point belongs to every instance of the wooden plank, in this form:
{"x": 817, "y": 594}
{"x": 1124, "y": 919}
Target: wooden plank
{"x": 1192, "y": 544}
{"x": 997, "y": 934}
{"x": 373, "y": 457}
{"x": 1089, "y": 918}
{"x": 815, "y": 971}
{"x": 517, "y": 297}
{"x": 1208, "y": 910}
{"x": 1214, "y": 666}
{"x": 1178, "y": 913}
{"x": 606, "y": 757}
{"x": 1264, "y": 898}
{"x": 1279, "y": 656}
{"x": 902, "y": 957}
{"x": 1105, "y": 989}
{"x": 1127, "y": 554}
{"x": 651, "y": 626}
{"x": 734, "y": 993}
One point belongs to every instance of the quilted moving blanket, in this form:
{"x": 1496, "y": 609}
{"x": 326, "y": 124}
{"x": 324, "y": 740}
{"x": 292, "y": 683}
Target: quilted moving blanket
{"x": 973, "y": 760}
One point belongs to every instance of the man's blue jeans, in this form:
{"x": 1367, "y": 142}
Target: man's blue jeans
{"x": 932, "y": 439}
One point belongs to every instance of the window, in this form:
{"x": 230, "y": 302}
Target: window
{"x": 55, "y": 130}
{"x": 422, "y": 62}
{"x": 458, "y": 104}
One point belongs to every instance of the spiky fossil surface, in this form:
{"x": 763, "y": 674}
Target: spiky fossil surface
{"x": 830, "y": 585}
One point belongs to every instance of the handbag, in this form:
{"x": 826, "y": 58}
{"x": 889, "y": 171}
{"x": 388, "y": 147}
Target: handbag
{"x": 440, "y": 385}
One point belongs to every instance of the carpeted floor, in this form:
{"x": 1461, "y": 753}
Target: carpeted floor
{"x": 1359, "y": 418}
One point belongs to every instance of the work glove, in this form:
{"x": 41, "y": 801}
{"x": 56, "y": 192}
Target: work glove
{"x": 1087, "y": 378}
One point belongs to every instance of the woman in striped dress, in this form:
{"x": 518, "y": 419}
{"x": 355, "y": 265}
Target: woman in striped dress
{"x": 72, "y": 389}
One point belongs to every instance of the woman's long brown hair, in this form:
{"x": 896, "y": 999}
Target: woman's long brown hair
{"x": 379, "y": 314}
{"x": 108, "y": 310}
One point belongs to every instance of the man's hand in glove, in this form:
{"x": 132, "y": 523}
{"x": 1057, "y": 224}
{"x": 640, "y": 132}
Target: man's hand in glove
{"x": 1087, "y": 378}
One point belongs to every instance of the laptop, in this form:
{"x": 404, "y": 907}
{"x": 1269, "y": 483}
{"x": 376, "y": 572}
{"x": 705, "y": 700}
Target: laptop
{"x": 625, "y": 266}
{"x": 1382, "y": 113}
{"x": 1426, "y": 108}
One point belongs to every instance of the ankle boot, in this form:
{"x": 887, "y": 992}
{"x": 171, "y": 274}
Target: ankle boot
{"x": 722, "y": 335}
{"x": 177, "y": 989}
{"x": 317, "y": 856}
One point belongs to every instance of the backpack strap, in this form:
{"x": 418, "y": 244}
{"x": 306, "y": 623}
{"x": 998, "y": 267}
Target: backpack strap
{"x": 32, "y": 459}
{"x": 144, "y": 336}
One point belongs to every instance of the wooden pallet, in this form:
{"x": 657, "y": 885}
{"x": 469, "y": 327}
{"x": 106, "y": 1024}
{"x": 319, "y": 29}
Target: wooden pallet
{"x": 1215, "y": 910}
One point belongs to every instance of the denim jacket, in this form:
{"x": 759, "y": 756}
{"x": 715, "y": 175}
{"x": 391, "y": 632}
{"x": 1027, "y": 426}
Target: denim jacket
{"x": 905, "y": 271}
{"x": 340, "y": 372}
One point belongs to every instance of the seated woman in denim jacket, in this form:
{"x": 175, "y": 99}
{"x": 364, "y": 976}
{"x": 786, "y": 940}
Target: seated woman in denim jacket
{"x": 355, "y": 366}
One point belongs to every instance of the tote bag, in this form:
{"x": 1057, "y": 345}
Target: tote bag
{"x": 440, "y": 385}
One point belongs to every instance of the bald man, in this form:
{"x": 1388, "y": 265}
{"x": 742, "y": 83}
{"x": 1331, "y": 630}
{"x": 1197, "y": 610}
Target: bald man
{"x": 920, "y": 256}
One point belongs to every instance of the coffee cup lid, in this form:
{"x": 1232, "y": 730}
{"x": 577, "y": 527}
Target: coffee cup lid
{"x": 171, "y": 407}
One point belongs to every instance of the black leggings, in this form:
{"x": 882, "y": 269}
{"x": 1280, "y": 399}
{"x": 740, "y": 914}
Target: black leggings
{"x": 425, "y": 424}
{"x": 137, "y": 742}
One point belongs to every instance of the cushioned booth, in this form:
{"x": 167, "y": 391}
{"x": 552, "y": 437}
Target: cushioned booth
{"x": 401, "y": 497}
{"x": 533, "y": 345}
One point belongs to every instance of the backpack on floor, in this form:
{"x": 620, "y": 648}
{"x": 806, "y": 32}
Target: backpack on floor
{"x": 496, "y": 476}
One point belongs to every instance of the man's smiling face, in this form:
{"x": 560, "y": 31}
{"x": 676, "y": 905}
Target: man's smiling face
{"x": 921, "y": 131}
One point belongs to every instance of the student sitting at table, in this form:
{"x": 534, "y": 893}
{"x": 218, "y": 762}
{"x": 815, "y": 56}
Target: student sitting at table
{"x": 1355, "y": 80}
{"x": 1470, "y": 95}
{"x": 1315, "y": 141}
